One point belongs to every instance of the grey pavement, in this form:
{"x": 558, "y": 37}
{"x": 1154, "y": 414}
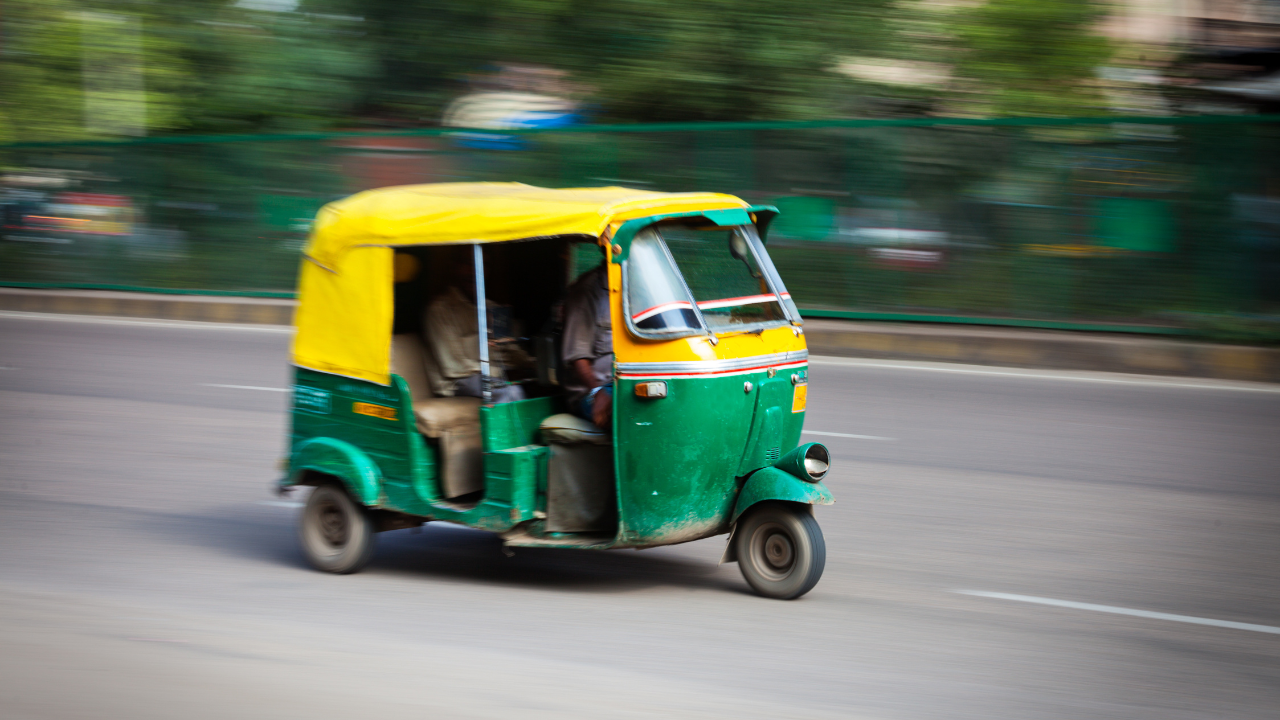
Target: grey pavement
{"x": 147, "y": 572}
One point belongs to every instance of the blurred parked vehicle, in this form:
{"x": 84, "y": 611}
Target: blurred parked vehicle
{"x": 67, "y": 216}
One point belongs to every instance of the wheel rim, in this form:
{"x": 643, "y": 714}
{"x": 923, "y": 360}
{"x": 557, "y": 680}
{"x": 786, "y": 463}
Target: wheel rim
{"x": 333, "y": 524}
{"x": 332, "y": 527}
{"x": 775, "y": 550}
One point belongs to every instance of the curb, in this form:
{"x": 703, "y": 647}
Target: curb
{"x": 1046, "y": 349}
{"x": 252, "y": 311}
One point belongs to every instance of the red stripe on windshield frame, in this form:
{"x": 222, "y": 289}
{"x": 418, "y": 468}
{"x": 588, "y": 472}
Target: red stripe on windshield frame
{"x": 658, "y": 309}
{"x": 744, "y": 300}
{"x": 709, "y": 304}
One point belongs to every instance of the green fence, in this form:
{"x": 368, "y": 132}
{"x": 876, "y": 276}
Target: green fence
{"x": 1153, "y": 224}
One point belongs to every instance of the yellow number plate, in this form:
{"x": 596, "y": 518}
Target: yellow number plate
{"x": 378, "y": 411}
{"x": 798, "y": 400}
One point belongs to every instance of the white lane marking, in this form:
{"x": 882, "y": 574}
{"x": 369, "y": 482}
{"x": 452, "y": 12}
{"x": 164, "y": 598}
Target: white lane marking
{"x": 281, "y": 503}
{"x": 245, "y": 387}
{"x": 844, "y": 435}
{"x": 1123, "y": 611}
{"x": 143, "y": 322}
{"x": 1067, "y": 375}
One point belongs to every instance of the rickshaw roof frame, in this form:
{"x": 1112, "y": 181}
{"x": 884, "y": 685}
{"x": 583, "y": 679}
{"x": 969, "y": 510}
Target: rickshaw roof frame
{"x": 763, "y": 215}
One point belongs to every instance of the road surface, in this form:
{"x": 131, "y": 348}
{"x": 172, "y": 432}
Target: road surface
{"x": 1122, "y": 535}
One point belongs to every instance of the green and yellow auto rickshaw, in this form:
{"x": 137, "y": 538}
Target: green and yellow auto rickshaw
{"x": 709, "y": 378}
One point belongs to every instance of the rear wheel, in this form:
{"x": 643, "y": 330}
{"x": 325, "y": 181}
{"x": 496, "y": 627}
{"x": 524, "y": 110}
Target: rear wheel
{"x": 336, "y": 533}
{"x": 780, "y": 549}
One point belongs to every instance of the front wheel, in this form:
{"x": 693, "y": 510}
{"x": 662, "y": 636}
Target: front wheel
{"x": 335, "y": 532}
{"x": 780, "y": 549}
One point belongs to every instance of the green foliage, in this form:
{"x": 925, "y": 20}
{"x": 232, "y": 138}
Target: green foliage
{"x": 641, "y": 60}
{"x": 271, "y": 71}
{"x": 206, "y": 66}
{"x": 1031, "y": 57}
{"x": 219, "y": 66}
{"x": 40, "y": 69}
{"x": 726, "y": 60}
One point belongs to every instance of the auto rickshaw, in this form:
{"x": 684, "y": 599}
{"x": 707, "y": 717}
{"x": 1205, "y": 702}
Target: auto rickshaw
{"x": 709, "y": 379}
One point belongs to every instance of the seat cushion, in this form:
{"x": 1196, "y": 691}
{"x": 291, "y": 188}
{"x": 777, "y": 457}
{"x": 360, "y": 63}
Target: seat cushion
{"x": 461, "y": 461}
{"x": 407, "y": 361}
{"x": 566, "y": 429}
{"x": 437, "y": 416}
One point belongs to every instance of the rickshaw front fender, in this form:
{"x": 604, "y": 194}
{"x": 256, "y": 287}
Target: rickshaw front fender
{"x": 772, "y": 483}
{"x": 341, "y": 459}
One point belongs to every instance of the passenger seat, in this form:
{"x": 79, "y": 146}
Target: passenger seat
{"x": 454, "y": 421}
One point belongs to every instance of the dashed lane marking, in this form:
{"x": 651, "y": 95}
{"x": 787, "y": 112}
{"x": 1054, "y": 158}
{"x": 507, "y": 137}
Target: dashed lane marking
{"x": 1065, "y": 375}
{"x": 245, "y": 387}
{"x": 844, "y": 435}
{"x": 1124, "y": 611}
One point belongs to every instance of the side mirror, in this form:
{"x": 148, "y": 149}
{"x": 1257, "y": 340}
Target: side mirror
{"x": 738, "y": 248}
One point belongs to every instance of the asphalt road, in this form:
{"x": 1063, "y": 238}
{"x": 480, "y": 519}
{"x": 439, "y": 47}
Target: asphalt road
{"x": 146, "y": 571}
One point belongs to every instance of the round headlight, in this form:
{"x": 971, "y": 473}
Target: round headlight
{"x": 816, "y": 461}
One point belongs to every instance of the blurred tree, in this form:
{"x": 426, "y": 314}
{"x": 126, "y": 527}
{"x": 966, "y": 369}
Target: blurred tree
{"x": 729, "y": 59}
{"x": 206, "y": 67}
{"x": 280, "y": 65}
{"x": 263, "y": 70}
{"x": 647, "y": 60}
{"x": 40, "y": 71}
{"x": 1030, "y": 57}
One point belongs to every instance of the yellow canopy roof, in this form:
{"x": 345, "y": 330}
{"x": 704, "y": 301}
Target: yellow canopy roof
{"x": 448, "y": 213}
{"x": 345, "y": 304}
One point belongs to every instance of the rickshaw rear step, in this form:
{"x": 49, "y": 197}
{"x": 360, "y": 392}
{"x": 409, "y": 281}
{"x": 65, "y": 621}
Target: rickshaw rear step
{"x": 522, "y": 538}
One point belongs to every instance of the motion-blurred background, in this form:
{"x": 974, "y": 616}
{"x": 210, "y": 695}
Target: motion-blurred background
{"x": 1109, "y": 165}
{"x": 1051, "y": 164}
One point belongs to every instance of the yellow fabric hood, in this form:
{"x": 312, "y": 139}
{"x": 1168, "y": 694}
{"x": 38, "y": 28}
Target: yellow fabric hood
{"x": 345, "y": 305}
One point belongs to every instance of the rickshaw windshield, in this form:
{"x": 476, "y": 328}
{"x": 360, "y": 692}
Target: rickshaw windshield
{"x": 729, "y": 275}
{"x": 657, "y": 300}
{"x": 676, "y": 273}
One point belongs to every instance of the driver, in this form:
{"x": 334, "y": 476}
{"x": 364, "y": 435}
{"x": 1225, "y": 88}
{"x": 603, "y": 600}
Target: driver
{"x": 587, "y": 347}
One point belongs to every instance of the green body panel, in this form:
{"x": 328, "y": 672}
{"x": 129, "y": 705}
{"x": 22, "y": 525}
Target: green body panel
{"x": 772, "y": 431}
{"x": 515, "y": 424}
{"x": 324, "y": 407}
{"x": 772, "y": 483}
{"x": 402, "y": 464}
{"x": 680, "y": 458}
{"x": 340, "y": 459}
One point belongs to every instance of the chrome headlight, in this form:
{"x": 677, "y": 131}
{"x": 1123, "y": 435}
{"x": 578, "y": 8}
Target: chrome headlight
{"x": 808, "y": 462}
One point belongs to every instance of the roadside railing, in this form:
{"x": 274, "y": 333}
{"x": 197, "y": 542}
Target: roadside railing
{"x": 1146, "y": 225}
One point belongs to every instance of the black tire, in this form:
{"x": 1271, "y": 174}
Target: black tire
{"x": 335, "y": 531}
{"x": 780, "y": 549}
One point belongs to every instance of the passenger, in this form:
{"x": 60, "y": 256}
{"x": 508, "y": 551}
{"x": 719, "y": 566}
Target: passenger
{"x": 452, "y": 336}
{"x": 587, "y": 347}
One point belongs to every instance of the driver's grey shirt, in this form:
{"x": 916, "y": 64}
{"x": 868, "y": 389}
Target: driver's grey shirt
{"x": 588, "y": 332}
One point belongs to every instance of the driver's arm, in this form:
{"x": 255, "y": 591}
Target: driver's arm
{"x": 586, "y": 374}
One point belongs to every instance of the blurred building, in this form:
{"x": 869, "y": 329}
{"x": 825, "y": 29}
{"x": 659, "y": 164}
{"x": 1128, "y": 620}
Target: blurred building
{"x": 1226, "y": 53}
